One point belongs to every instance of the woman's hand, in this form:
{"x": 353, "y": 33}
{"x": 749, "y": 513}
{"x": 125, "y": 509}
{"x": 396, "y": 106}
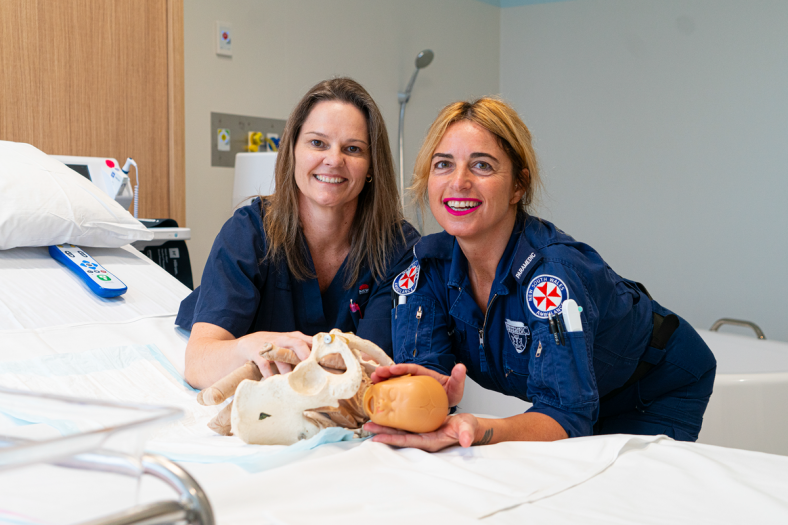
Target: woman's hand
{"x": 454, "y": 385}
{"x": 467, "y": 430}
{"x": 458, "y": 429}
{"x": 249, "y": 348}
{"x": 212, "y": 352}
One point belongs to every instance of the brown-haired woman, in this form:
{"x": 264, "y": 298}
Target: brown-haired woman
{"x": 320, "y": 253}
{"x": 529, "y": 311}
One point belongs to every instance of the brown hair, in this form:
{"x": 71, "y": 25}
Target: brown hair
{"x": 500, "y": 119}
{"x": 378, "y": 219}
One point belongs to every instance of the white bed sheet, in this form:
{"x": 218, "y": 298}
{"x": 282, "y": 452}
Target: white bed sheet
{"x": 671, "y": 482}
{"x": 611, "y": 479}
{"x": 37, "y": 292}
{"x": 471, "y": 482}
{"x": 18, "y": 345}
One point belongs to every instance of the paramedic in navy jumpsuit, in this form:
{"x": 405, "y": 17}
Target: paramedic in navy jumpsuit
{"x": 318, "y": 254}
{"x": 480, "y": 297}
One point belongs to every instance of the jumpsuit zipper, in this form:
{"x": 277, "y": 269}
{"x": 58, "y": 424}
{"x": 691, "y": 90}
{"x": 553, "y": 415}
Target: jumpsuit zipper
{"x": 481, "y": 335}
{"x": 416, "y": 340}
{"x": 484, "y": 324}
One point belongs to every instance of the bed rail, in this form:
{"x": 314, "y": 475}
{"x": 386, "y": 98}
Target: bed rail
{"x": 192, "y": 507}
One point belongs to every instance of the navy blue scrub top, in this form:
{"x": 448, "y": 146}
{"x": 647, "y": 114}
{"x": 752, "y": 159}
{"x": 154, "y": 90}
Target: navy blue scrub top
{"x": 512, "y": 350}
{"x": 243, "y": 295}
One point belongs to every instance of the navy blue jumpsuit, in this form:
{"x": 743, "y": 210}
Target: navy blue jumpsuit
{"x": 242, "y": 293}
{"x": 584, "y": 384}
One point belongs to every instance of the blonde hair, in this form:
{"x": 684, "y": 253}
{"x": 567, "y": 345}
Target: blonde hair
{"x": 500, "y": 119}
{"x": 378, "y": 220}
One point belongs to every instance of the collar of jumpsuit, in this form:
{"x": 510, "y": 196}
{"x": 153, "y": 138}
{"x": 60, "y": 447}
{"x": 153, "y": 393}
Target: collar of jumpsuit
{"x": 516, "y": 263}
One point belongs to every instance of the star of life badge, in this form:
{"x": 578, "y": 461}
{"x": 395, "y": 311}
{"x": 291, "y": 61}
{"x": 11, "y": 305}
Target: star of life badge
{"x": 545, "y": 295}
{"x": 518, "y": 334}
{"x": 405, "y": 283}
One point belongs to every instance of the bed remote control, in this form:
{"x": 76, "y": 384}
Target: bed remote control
{"x": 99, "y": 280}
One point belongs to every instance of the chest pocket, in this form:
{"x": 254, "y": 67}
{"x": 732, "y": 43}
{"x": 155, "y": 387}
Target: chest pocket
{"x": 413, "y": 324}
{"x": 362, "y": 297}
{"x": 562, "y": 375}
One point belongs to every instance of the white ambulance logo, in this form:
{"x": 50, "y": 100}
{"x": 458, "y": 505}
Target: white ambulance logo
{"x": 518, "y": 334}
{"x": 545, "y": 295}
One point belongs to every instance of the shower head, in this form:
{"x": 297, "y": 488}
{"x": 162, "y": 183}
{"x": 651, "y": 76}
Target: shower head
{"x": 424, "y": 58}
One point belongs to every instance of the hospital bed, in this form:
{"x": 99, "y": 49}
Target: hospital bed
{"x": 56, "y": 324}
{"x": 56, "y": 337}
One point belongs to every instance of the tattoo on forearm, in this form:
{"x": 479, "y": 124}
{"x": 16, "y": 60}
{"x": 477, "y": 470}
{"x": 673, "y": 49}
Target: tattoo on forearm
{"x": 486, "y": 438}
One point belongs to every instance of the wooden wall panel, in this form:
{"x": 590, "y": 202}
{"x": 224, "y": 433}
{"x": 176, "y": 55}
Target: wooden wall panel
{"x": 20, "y": 74}
{"x": 177, "y": 113}
{"x": 92, "y": 77}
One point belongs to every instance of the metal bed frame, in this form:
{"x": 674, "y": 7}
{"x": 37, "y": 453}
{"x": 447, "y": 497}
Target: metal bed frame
{"x": 84, "y": 451}
{"x": 192, "y": 506}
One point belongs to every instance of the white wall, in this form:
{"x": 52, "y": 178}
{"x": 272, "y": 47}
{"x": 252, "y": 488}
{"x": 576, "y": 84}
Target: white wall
{"x": 662, "y": 129}
{"x": 282, "y": 48}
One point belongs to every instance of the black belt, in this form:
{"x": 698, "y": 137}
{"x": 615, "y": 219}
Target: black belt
{"x": 664, "y": 326}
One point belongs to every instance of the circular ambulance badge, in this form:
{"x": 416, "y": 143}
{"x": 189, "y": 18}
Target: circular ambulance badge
{"x": 545, "y": 294}
{"x": 405, "y": 283}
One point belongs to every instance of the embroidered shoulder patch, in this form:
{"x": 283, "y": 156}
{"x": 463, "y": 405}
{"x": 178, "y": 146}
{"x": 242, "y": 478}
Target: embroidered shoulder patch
{"x": 405, "y": 283}
{"x": 545, "y": 295}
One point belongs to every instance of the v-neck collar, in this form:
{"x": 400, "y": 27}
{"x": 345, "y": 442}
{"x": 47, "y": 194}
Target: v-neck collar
{"x": 315, "y": 301}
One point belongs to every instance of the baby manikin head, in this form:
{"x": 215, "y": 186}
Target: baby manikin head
{"x": 412, "y": 403}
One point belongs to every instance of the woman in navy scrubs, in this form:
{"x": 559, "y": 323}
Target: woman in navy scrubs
{"x": 320, "y": 253}
{"x": 487, "y": 296}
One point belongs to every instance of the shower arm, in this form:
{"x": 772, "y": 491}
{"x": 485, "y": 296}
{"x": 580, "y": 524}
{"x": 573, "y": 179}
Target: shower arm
{"x": 403, "y": 98}
{"x": 402, "y": 153}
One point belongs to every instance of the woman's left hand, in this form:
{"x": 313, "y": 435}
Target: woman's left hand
{"x": 457, "y": 429}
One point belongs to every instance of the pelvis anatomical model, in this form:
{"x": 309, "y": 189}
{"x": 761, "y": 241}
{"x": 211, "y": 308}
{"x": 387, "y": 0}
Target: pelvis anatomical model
{"x": 318, "y": 393}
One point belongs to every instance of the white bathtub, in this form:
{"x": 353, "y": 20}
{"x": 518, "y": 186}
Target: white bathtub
{"x": 749, "y": 407}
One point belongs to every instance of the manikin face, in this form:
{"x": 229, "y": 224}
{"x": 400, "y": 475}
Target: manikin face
{"x": 471, "y": 186}
{"x": 332, "y": 157}
{"x": 413, "y": 403}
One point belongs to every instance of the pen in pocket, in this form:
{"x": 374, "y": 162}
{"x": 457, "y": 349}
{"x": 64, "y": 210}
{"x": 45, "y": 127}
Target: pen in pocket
{"x": 356, "y": 309}
{"x": 553, "y": 328}
{"x": 561, "y": 328}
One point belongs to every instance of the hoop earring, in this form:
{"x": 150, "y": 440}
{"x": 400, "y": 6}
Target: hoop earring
{"x": 369, "y": 178}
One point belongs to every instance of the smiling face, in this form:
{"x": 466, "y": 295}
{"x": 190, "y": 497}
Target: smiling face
{"x": 332, "y": 157}
{"x": 471, "y": 187}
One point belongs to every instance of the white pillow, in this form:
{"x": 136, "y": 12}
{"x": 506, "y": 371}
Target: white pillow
{"x": 43, "y": 202}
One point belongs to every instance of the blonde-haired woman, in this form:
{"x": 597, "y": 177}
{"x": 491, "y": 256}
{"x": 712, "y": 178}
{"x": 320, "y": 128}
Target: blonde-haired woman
{"x": 320, "y": 253}
{"x": 527, "y": 310}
